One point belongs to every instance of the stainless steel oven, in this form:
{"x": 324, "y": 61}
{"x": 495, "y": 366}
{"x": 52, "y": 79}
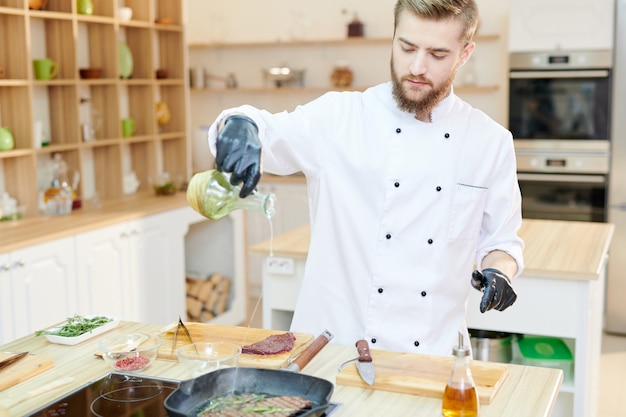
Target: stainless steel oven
{"x": 559, "y": 114}
{"x": 560, "y": 100}
{"x": 563, "y": 196}
{"x": 563, "y": 185}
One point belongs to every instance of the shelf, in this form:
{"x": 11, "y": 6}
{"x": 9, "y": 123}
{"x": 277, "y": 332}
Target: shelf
{"x": 321, "y": 90}
{"x": 316, "y": 42}
{"x": 87, "y": 133}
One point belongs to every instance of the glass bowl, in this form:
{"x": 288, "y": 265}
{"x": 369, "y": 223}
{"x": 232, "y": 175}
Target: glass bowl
{"x": 130, "y": 352}
{"x": 201, "y": 358}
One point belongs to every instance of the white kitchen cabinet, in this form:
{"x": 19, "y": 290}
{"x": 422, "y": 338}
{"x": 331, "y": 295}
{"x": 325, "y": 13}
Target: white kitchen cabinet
{"x": 104, "y": 259}
{"x": 553, "y": 25}
{"x": 160, "y": 266}
{"x": 134, "y": 270}
{"x": 37, "y": 288}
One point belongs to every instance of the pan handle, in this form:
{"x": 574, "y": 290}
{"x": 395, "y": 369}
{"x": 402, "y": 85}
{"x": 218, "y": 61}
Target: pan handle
{"x": 309, "y": 353}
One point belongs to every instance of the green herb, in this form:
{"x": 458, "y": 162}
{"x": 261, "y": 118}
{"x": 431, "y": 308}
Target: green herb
{"x": 76, "y": 326}
{"x": 245, "y": 403}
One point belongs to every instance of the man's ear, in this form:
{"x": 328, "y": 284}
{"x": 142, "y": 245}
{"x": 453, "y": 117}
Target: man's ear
{"x": 467, "y": 52}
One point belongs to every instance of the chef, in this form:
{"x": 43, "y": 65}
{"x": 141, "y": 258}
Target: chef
{"x": 413, "y": 193}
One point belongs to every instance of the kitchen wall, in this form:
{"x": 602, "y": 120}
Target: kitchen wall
{"x": 286, "y": 20}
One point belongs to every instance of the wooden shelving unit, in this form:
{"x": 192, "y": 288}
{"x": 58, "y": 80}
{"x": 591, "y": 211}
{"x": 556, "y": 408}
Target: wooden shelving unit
{"x": 75, "y": 41}
{"x": 322, "y": 44}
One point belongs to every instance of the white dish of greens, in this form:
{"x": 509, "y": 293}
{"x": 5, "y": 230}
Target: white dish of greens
{"x": 77, "y": 329}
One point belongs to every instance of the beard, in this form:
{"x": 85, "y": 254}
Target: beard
{"x": 424, "y": 104}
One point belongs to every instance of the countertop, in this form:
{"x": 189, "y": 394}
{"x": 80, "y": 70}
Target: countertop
{"x": 34, "y": 230}
{"x": 553, "y": 248}
{"x": 526, "y": 391}
{"x": 38, "y": 229}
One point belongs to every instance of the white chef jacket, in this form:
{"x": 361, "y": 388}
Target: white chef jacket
{"x": 400, "y": 212}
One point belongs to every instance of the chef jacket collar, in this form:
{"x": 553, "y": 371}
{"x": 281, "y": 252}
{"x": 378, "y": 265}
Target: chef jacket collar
{"x": 441, "y": 110}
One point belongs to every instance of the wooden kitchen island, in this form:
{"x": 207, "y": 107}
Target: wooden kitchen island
{"x": 560, "y": 294}
{"x": 526, "y": 391}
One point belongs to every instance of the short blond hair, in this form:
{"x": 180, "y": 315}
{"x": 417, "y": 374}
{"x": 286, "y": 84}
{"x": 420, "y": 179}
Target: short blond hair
{"x": 466, "y": 10}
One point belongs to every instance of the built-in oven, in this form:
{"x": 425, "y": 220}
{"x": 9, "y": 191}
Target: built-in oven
{"x": 563, "y": 196}
{"x": 559, "y": 115}
{"x": 560, "y": 100}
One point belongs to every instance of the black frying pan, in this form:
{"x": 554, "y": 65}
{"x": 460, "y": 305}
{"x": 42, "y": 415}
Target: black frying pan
{"x": 194, "y": 392}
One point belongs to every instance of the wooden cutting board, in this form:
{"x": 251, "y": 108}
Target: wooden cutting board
{"x": 202, "y": 332}
{"x": 424, "y": 375}
{"x": 25, "y": 368}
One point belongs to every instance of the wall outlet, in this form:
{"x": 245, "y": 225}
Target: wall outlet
{"x": 280, "y": 266}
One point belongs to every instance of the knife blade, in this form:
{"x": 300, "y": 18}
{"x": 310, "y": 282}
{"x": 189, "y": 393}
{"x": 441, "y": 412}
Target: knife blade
{"x": 12, "y": 359}
{"x": 364, "y": 363}
{"x": 309, "y": 353}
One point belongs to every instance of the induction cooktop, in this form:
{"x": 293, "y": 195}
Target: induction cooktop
{"x": 119, "y": 395}
{"x": 114, "y": 395}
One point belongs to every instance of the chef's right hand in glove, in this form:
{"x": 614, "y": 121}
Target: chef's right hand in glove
{"x": 496, "y": 288}
{"x": 239, "y": 152}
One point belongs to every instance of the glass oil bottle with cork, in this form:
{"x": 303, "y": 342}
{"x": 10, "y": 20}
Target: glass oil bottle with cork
{"x": 460, "y": 398}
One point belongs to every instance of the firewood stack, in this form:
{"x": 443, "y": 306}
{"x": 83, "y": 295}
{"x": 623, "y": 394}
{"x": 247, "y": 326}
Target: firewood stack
{"x": 207, "y": 298}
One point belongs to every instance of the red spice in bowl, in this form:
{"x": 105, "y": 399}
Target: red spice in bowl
{"x": 130, "y": 352}
{"x": 132, "y": 363}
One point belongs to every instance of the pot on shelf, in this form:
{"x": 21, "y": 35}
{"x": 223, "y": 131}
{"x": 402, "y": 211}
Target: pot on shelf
{"x": 491, "y": 346}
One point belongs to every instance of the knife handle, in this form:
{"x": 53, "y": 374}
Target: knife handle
{"x": 305, "y": 357}
{"x": 364, "y": 351}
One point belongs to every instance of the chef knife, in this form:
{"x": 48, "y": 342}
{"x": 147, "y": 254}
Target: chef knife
{"x": 364, "y": 363}
{"x": 309, "y": 353}
{"x": 12, "y": 359}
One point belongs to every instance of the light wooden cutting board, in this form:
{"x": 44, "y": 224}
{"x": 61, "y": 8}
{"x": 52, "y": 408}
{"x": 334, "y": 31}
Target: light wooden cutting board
{"x": 25, "y": 368}
{"x": 202, "y": 332}
{"x": 424, "y": 375}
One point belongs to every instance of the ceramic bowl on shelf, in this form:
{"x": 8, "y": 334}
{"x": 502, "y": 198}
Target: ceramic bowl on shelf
{"x": 90, "y": 73}
{"x": 132, "y": 352}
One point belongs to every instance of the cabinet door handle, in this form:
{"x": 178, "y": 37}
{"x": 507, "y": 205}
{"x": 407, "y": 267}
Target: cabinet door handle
{"x": 5, "y": 267}
{"x": 124, "y": 235}
{"x": 19, "y": 264}
{"x": 135, "y": 232}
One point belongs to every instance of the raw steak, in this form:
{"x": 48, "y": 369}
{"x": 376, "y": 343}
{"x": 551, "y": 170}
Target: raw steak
{"x": 276, "y": 343}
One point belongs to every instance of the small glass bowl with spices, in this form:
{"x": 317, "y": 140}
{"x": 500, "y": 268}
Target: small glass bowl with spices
{"x": 130, "y": 352}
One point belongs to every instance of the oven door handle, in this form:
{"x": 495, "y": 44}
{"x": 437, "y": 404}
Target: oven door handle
{"x": 559, "y": 74}
{"x": 586, "y": 179}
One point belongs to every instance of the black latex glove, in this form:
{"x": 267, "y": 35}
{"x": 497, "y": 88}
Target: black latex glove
{"x": 496, "y": 288}
{"x": 239, "y": 152}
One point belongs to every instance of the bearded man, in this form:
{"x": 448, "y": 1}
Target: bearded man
{"x": 413, "y": 193}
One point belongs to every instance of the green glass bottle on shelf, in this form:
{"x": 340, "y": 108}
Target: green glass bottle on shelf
{"x": 211, "y": 194}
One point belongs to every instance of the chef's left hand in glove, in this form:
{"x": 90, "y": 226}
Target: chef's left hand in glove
{"x": 496, "y": 288}
{"x": 239, "y": 152}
